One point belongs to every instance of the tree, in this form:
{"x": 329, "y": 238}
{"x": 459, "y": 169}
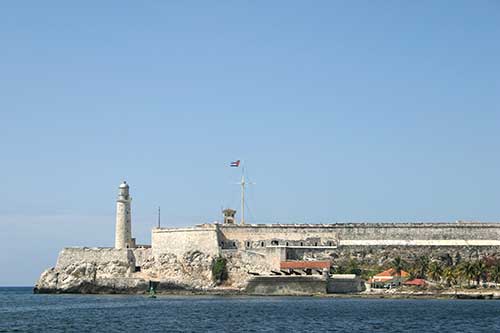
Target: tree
{"x": 467, "y": 271}
{"x": 412, "y": 272}
{"x": 422, "y": 266}
{"x": 494, "y": 273}
{"x": 479, "y": 271}
{"x": 219, "y": 270}
{"x": 435, "y": 271}
{"x": 353, "y": 267}
{"x": 398, "y": 265}
{"x": 449, "y": 276}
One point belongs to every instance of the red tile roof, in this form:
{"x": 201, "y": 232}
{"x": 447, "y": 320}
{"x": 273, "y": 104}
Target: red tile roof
{"x": 391, "y": 273}
{"x": 305, "y": 264}
{"x": 416, "y": 282}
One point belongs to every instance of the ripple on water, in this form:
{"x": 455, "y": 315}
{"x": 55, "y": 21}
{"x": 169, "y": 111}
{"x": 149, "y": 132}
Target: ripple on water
{"x": 21, "y": 311}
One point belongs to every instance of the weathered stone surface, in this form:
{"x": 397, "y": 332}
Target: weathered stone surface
{"x": 286, "y": 285}
{"x": 345, "y": 284}
{"x": 240, "y": 263}
{"x": 383, "y": 255}
{"x": 183, "y": 258}
{"x": 48, "y": 280}
{"x": 191, "y": 271}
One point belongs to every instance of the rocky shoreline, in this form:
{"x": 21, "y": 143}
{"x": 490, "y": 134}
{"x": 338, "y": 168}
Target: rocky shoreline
{"x": 172, "y": 289}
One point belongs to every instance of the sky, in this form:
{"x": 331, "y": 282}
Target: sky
{"x": 341, "y": 111}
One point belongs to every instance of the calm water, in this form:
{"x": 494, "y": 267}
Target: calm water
{"x": 21, "y": 311}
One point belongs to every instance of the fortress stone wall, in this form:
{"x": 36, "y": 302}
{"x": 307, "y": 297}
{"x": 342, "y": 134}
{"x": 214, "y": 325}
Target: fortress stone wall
{"x": 72, "y": 255}
{"x": 184, "y": 240}
{"x": 213, "y": 238}
{"x": 369, "y": 234}
{"x": 102, "y": 255}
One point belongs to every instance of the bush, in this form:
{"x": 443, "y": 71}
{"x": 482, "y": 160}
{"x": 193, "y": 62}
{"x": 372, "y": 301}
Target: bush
{"x": 219, "y": 270}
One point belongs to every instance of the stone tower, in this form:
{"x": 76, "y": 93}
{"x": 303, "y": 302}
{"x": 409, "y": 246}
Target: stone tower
{"x": 229, "y": 215}
{"x": 123, "y": 233}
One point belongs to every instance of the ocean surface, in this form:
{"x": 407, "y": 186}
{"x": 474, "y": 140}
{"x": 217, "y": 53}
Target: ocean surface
{"x": 21, "y": 311}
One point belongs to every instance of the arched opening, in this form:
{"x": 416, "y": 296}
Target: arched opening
{"x": 274, "y": 242}
{"x": 262, "y": 244}
{"x": 248, "y": 244}
{"x": 301, "y": 243}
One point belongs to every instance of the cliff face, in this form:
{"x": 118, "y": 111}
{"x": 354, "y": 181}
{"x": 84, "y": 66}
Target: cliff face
{"x": 90, "y": 277}
{"x": 106, "y": 271}
{"x": 192, "y": 270}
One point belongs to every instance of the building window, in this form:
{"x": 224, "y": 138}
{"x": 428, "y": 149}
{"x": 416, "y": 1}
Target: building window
{"x": 316, "y": 244}
{"x": 301, "y": 244}
{"x": 248, "y": 244}
{"x": 286, "y": 243}
{"x": 262, "y": 244}
{"x": 137, "y": 269}
{"x": 274, "y": 242}
{"x": 222, "y": 243}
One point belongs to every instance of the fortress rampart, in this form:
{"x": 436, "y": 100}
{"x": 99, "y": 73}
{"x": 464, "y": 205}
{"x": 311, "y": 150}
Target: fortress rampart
{"x": 213, "y": 238}
{"x": 183, "y": 240}
{"x": 129, "y": 258}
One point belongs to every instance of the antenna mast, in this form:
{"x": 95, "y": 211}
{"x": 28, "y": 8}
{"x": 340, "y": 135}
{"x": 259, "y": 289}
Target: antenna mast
{"x": 243, "y": 184}
{"x": 243, "y": 197}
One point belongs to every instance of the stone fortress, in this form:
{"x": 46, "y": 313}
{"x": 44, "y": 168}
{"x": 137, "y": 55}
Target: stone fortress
{"x": 259, "y": 258}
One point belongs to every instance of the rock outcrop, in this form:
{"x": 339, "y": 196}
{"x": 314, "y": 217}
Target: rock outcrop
{"x": 94, "y": 273}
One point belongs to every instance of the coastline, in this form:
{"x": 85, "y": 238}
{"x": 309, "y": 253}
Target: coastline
{"x": 229, "y": 292}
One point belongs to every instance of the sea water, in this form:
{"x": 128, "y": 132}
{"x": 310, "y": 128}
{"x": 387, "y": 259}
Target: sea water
{"x": 22, "y": 311}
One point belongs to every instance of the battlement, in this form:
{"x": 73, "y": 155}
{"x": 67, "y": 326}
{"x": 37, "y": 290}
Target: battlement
{"x": 457, "y": 224}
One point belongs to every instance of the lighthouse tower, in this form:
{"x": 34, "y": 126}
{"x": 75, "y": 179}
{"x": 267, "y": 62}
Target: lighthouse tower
{"x": 123, "y": 234}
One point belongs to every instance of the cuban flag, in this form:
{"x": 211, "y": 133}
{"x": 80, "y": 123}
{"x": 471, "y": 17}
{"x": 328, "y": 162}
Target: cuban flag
{"x": 235, "y": 164}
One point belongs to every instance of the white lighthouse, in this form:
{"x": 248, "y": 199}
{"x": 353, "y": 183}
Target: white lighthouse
{"x": 123, "y": 234}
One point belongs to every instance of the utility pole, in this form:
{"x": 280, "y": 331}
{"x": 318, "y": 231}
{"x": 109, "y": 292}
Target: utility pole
{"x": 159, "y": 222}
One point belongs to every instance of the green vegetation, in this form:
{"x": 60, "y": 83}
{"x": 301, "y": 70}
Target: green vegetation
{"x": 354, "y": 267}
{"x": 473, "y": 274}
{"x": 442, "y": 273}
{"x": 219, "y": 270}
{"x": 435, "y": 271}
{"x": 398, "y": 265}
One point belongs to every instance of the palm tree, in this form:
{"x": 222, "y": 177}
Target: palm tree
{"x": 449, "y": 276}
{"x": 412, "y": 272}
{"x": 467, "y": 270}
{"x": 398, "y": 265}
{"x": 435, "y": 271}
{"x": 480, "y": 271}
{"x": 495, "y": 273}
{"x": 422, "y": 264}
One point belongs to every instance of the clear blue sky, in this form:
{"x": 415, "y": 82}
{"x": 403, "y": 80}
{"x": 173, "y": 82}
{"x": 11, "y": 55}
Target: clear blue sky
{"x": 343, "y": 111}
